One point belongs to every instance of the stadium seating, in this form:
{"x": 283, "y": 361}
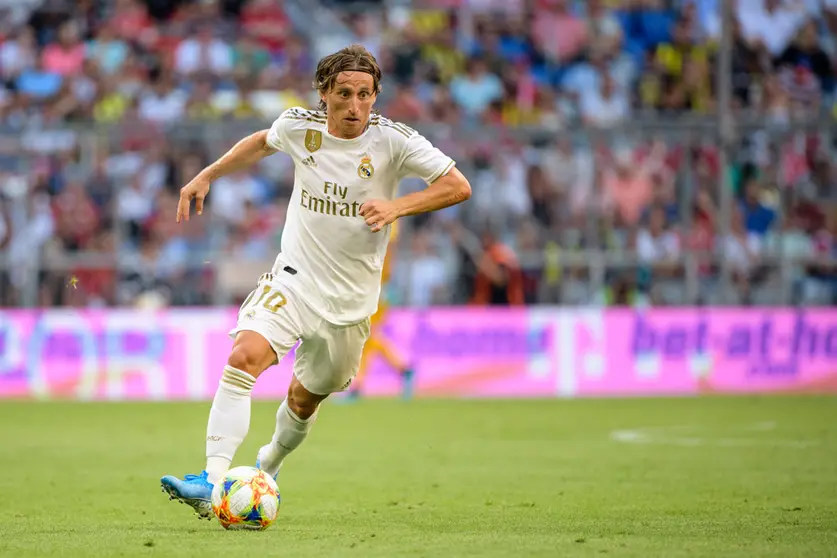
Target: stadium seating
{"x": 603, "y": 173}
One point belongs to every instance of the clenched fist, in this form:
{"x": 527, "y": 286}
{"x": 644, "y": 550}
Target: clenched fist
{"x": 379, "y": 213}
{"x": 197, "y": 189}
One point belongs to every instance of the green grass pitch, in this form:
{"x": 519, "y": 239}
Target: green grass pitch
{"x": 746, "y": 476}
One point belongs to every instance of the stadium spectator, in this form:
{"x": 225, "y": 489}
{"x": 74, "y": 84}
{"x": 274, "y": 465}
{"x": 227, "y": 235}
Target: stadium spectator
{"x": 107, "y": 50}
{"x": 628, "y": 187}
{"x": 648, "y": 24}
{"x": 743, "y": 251}
{"x": 249, "y": 58}
{"x": 405, "y": 106}
{"x": 499, "y": 280}
{"x": 18, "y": 53}
{"x": 204, "y": 53}
{"x": 364, "y": 33}
{"x": 561, "y": 35}
{"x": 603, "y": 26}
{"x": 749, "y": 65}
{"x": 200, "y": 105}
{"x": 805, "y": 52}
{"x": 38, "y": 82}
{"x": 163, "y": 102}
{"x": 770, "y": 24}
{"x": 758, "y": 218}
{"x": 606, "y": 106}
{"x": 232, "y": 194}
{"x": 585, "y": 76}
{"x": 130, "y": 20}
{"x": 528, "y": 241}
{"x": 681, "y": 79}
{"x": 700, "y": 238}
{"x": 267, "y": 21}
{"x": 823, "y": 271}
{"x": 801, "y": 86}
{"x": 569, "y": 171}
{"x": 658, "y": 248}
{"x": 707, "y": 18}
{"x": 477, "y": 89}
{"x": 66, "y": 56}
{"x": 426, "y": 272}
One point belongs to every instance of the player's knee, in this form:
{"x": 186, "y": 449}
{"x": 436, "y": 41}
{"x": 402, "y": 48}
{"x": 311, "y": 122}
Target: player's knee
{"x": 302, "y": 402}
{"x": 246, "y": 360}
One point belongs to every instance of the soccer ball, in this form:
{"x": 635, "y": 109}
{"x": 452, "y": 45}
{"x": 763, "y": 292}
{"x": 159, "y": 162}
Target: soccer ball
{"x": 245, "y": 498}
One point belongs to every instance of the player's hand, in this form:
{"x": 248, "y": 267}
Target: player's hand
{"x": 379, "y": 213}
{"x": 198, "y": 188}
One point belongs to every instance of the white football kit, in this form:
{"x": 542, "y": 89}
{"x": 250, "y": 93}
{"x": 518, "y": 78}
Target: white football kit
{"x": 326, "y": 280}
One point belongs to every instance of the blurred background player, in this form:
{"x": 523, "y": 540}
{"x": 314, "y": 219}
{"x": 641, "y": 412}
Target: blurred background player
{"x": 378, "y": 342}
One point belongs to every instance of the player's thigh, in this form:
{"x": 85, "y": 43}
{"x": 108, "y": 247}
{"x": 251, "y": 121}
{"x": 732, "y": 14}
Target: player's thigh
{"x": 269, "y": 325}
{"x": 326, "y": 363}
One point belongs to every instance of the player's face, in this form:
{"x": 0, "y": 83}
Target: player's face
{"x": 349, "y": 103}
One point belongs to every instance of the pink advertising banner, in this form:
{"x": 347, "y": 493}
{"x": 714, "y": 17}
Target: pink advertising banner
{"x": 459, "y": 352}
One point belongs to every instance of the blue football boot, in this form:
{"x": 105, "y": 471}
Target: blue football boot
{"x": 193, "y": 490}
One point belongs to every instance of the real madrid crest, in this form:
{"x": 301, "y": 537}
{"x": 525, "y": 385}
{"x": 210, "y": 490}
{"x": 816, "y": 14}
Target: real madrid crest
{"x": 313, "y": 139}
{"x": 365, "y": 170}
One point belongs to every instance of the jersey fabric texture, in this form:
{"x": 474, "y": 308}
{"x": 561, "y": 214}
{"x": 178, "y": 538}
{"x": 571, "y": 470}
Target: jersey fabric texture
{"x": 329, "y": 256}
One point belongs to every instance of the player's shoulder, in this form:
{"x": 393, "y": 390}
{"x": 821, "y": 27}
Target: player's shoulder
{"x": 298, "y": 117}
{"x": 397, "y": 131}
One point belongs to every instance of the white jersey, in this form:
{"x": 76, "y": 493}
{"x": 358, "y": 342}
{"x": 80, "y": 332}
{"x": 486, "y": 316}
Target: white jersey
{"x": 329, "y": 256}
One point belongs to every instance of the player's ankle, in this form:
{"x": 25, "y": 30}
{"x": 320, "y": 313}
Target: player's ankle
{"x": 216, "y": 467}
{"x": 268, "y": 457}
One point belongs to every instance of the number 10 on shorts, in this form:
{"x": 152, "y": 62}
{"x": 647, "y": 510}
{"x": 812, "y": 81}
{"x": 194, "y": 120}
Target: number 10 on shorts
{"x": 272, "y": 301}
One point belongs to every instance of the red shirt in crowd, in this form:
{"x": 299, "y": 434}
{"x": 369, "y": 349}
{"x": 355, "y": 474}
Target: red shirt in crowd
{"x": 266, "y": 20}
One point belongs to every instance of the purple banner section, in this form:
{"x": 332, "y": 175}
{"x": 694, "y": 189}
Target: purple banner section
{"x": 680, "y": 351}
{"x": 462, "y": 352}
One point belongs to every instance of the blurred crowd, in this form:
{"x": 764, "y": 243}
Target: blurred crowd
{"x": 582, "y": 126}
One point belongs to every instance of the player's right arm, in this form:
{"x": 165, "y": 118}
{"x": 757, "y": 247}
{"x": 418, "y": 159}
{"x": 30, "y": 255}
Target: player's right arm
{"x": 243, "y": 154}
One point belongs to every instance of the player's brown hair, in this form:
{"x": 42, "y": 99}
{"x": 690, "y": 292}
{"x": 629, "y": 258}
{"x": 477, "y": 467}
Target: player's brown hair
{"x": 354, "y": 58}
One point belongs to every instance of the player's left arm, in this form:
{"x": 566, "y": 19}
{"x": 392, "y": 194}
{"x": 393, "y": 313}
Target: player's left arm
{"x": 447, "y": 190}
{"x": 447, "y": 186}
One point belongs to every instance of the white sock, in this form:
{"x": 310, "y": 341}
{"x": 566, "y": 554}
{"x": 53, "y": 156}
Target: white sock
{"x": 229, "y": 420}
{"x": 290, "y": 432}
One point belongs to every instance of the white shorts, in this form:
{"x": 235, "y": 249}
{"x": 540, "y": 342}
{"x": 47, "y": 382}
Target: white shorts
{"x": 328, "y": 357}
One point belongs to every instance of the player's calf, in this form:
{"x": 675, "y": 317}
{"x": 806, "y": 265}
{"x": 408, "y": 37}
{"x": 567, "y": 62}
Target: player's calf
{"x": 301, "y": 401}
{"x": 229, "y": 417}
{"x": 294, "y": 420}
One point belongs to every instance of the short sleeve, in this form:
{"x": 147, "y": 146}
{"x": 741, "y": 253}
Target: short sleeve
{"x": 276, "y": 134}
{"x": 424, "y": 160}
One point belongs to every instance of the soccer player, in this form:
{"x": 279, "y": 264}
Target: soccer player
{"x": 377, "y": 342}
{"x": 325, "y": 283}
